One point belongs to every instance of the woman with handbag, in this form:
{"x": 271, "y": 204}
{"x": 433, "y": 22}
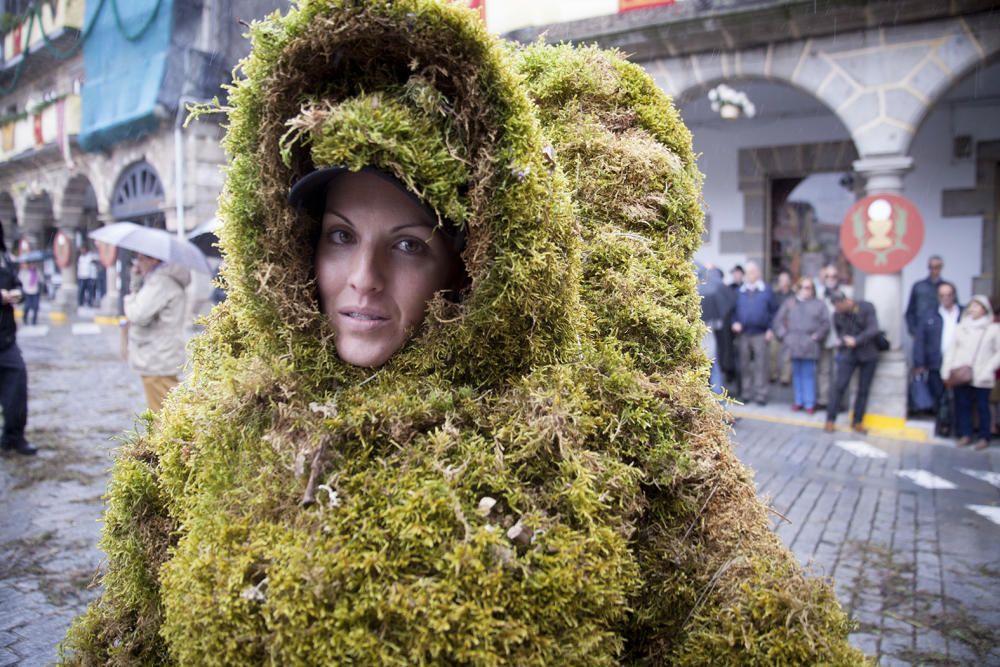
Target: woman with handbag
{"x": 802, "y": 324}
{"x": 968, "y": 368}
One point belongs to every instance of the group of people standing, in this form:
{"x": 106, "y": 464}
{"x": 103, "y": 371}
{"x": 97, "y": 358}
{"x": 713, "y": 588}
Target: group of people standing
{"x": 816, "y": 338}
{"x": 956, "y": 353}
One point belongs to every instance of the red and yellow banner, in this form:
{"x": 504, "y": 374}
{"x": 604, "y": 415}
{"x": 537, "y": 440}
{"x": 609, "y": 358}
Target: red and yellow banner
{"x": 629, "y": 5}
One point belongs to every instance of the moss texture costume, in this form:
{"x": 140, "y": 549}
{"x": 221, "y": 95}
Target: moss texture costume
{"x": 540, "y": 476}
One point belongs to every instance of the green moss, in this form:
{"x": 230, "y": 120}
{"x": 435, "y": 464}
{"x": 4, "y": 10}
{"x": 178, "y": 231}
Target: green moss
{"x": 540, "y": 476}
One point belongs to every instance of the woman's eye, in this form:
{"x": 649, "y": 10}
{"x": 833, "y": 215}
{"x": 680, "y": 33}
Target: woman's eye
{"x": 411, "y": 246}
{"x": 340, "y": 237}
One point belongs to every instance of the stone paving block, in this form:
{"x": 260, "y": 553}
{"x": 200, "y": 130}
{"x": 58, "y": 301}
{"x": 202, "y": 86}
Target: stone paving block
{"x": 8, "y": 658}
{"x": 866, "y": 642}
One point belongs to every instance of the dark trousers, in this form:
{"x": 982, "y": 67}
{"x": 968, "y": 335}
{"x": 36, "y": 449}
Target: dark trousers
{"x": 936, "y": 385}
{"x": 965, "y": 397}
{"x": 31, "y": 308}
{"x": 13, "y": 396}
{"x": 844, "y": 366}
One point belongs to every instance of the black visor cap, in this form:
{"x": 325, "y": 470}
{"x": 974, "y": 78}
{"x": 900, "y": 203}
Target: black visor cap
{"x": 309, "y": 193}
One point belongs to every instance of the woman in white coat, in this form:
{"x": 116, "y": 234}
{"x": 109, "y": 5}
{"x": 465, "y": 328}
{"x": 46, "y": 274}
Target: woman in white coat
{"x": 976, "y": 345}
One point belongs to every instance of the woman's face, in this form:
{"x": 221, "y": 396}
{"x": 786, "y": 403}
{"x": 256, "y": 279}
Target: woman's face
{"x": 379, "y": 260}
{"x": 976, "y": 309}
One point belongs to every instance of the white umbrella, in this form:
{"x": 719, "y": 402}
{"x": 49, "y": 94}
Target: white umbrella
{"x": 153, "y": 242}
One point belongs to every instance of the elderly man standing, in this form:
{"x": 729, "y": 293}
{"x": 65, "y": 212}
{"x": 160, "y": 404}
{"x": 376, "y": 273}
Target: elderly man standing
{"x": 856, "y": 326}
{"x": 924, "y": 294}
{"x": 752, "y": 324}
{"x": 933, "y": 336}
{"x": 155, "y": 313}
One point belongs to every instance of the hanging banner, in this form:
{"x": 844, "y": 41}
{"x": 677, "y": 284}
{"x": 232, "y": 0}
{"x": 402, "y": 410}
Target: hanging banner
{"x": 62, "y": 249}
{"x": 882, "y": 233}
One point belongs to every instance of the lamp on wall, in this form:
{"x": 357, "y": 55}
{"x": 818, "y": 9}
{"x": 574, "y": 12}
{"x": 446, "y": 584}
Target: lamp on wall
{"x": 730, "y": 103}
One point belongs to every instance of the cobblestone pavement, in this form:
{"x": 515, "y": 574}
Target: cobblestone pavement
{"x": 917, "y": 567}
{"x": 81, "y": 395}
{"x": 909, "y": 532}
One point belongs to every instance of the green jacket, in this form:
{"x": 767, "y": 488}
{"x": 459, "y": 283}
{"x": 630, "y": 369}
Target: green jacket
{"x": 540, "y": 476}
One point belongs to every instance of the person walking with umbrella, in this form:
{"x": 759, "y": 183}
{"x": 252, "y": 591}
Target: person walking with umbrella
{"x": 155, "y": 313}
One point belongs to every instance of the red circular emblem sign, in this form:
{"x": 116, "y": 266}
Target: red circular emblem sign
{"x": 882, "y": 233}
{"x": 107, "y": 253}
{"x": 62, "y": 249}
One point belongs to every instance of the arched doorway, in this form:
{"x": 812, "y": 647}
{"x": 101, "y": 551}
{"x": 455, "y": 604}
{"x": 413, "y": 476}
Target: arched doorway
{"x": 776, "y": 183}
{"x": 138, "y": 197}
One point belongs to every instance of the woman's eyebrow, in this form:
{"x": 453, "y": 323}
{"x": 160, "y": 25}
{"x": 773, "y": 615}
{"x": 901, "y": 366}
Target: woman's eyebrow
{"x": 412, "y": 224}
{"x": 339, "y": 215}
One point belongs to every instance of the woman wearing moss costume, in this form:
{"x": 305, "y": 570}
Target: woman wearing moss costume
{"x": 529, "y": 472}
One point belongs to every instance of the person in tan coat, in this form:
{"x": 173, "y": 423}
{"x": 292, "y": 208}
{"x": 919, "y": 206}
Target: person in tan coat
{"x": 155, "y": 313}
{"x": 976, "y": 344}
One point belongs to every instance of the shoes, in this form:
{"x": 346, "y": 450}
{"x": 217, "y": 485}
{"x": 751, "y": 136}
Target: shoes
{"x": 796, "y": 407}
{"x": 964, "y": 441}
{"x": 24, "y": 448}
{"x": 810, "y": 411}
{"x": 762, "y": 402}
{"x": 828, "y": 427}
{"x": 858, "y": 428}
{"x": 982, "y": 444}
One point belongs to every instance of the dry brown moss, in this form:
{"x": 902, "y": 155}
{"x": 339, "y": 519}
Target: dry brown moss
{"x": 540, "y": 477}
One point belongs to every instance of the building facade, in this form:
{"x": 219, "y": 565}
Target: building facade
{"x": 93, "y": 95}
{"x": 851, "y": 98}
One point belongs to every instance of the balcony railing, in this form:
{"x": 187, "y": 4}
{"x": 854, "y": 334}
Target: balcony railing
{"x": 51, "y": 125}
{"x": 50, "y": 21}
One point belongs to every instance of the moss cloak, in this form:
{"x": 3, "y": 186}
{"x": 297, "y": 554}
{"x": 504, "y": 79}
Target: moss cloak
{"x": 540, "y": 477}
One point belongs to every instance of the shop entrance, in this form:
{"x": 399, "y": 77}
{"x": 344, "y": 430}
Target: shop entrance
{"x": 805, "y": 223}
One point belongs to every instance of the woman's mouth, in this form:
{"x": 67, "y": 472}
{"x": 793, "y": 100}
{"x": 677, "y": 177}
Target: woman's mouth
{"x": 361, "y": 319}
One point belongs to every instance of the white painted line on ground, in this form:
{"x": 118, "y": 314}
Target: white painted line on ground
{"x": 987, "y": 476}
{"x": 34, "y": 331}
{"x": 987, "y": 512}
{"x": 85, "y": 329}
{"x": 927, "y": 480}
{"x": 861, "y": 449}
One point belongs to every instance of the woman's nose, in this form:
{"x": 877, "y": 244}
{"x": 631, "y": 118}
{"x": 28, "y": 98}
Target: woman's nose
{"x": 366, "y": 271}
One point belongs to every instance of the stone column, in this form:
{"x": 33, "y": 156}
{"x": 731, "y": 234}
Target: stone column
{"x": 887, "y": 399}
{"x": 112, "y": 298}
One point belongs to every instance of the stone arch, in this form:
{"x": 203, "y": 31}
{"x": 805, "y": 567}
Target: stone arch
{"x": 79, "y": 204}
{"x": 880, "y": 82}
{"x": 952, "y": 78}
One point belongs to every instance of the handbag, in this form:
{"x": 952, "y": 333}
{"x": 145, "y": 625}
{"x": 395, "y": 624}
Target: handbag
{"x": 881, "y": 341}
{"x": 962, "y": 375}
{"x": 959, "y": 377}
{"x": 921, "y": 399}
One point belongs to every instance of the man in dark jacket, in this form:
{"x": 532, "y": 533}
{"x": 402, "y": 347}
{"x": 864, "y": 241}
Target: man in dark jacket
{"x": 923, "y": 294}
{"x": 13, "y": 374}
{"x": 856, "y": 326}
{"x": 752, "y": 324}
{"x": 932, "y": 336}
